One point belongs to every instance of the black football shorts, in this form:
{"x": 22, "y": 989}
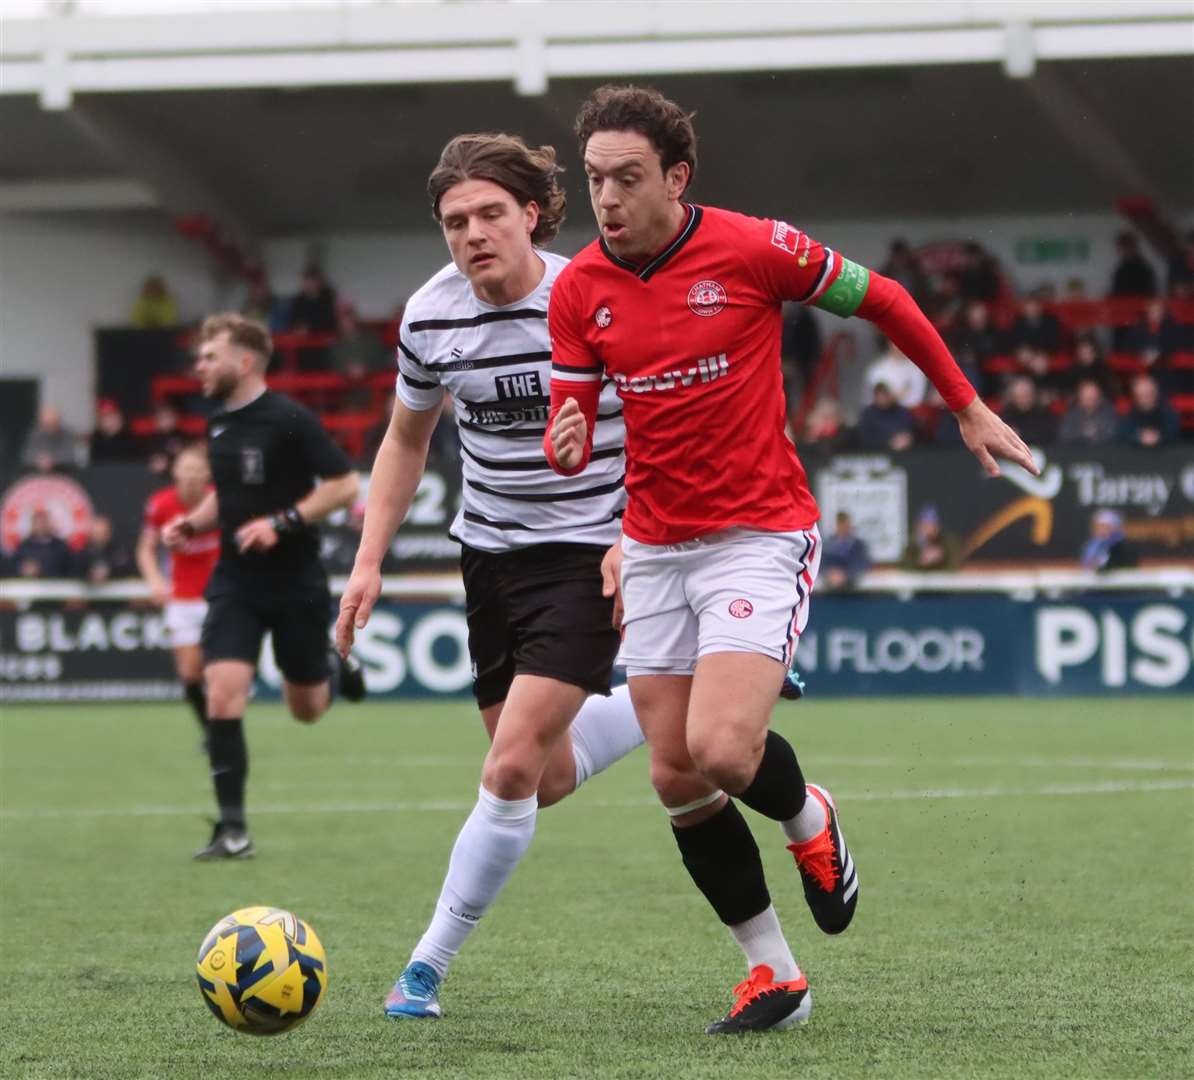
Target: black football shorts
{"x": 538, "y": 611}
{"x": 297, "y": 613}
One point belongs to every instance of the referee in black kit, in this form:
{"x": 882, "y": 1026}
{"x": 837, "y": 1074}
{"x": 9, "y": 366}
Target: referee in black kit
{"x": 266, "y": 453}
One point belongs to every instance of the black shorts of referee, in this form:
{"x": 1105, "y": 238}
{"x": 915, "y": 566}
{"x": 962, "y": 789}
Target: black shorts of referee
{"x": 295, "y": 609}
{"x": 538, "y": 611}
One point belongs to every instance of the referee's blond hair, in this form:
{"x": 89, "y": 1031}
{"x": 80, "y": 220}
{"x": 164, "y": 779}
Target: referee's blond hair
{"x": 241, "y": 330}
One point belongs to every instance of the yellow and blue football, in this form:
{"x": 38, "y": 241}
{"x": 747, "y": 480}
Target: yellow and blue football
{"x": 262, "y": 970}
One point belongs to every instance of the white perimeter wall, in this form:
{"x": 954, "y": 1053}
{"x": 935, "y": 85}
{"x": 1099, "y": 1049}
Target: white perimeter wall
{"x": 63, "y": 276}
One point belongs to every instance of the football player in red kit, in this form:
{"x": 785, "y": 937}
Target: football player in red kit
{"x": 679, "y": 305}
{"x": 191, "y": 564}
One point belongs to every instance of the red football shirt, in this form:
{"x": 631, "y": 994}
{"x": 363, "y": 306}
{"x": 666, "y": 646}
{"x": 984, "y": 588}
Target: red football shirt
{"x": 692, "y": 340}
{"x": 190, "y": 565}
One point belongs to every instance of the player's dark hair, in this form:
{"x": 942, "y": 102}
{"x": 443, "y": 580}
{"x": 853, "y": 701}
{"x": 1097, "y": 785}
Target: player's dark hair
{"x": 527, "y": 173}
{"x": 636, "y": 108}
{"x": 241, "y": 330}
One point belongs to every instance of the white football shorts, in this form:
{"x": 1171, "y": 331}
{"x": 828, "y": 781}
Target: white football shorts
{"x": 184, "y": 621}
{"x": 738, "y": 590}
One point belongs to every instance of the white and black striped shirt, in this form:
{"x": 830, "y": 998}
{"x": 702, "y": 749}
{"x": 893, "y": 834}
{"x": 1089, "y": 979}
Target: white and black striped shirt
{"x": 496, "y": 364}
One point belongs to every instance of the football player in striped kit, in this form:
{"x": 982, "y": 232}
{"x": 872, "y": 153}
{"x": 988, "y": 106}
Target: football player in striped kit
{"x": 540, "y": 617}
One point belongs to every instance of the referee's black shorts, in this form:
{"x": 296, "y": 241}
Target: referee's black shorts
{"x": 538, "y": 611}
{"x": 295, "y": 609}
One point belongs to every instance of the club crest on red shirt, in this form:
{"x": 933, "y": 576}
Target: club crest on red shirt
{"x": 706, "y": 298}
{"x": 603, "y": 317}
{"x": 741, "y": 609}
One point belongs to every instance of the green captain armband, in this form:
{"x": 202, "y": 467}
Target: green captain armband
{"x": 847, "y": 291}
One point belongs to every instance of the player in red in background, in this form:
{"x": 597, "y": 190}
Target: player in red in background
{"x": 190, "y": 566}
{"x": 680, "y": 306}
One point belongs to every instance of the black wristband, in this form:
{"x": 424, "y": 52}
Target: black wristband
{"x": 287, "y": 521}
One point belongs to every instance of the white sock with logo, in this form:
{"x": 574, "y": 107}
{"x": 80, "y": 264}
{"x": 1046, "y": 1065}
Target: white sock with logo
{"x": 604, "y": 731}
{"x": 489, "y": 846}
{"x": 763, "y": 942}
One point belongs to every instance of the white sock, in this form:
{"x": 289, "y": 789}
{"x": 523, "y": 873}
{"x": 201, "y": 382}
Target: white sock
{"x": 810, "y": 822}
{"x": 762, "y": 940}
{"x": 604, "y": 731}
{"x": 488, "y": 848}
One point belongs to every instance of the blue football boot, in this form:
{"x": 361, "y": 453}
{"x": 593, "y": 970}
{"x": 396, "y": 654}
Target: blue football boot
{"x": 793, "y": 686}
{"x": 416, "y": 993}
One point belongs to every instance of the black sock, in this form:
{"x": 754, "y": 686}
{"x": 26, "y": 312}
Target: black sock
{"x": 229, "y": 757}
{"x": 335, "y": 664}
{"x": 193, "y": 692}
{"x": 723, "y": 860}
{"x": 777, "y": 791}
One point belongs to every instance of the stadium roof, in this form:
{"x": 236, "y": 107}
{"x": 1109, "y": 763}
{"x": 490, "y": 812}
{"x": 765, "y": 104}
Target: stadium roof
{"x": 281, "y": 121}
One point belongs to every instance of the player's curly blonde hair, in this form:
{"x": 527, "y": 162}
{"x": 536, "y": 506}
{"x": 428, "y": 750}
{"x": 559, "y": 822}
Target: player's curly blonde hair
{"x": 528, "y": 174}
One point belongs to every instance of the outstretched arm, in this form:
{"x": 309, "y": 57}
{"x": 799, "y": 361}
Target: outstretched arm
{"x": 888, "y": 305}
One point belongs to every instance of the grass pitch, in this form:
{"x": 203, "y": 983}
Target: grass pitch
{"x": 1026, "y": 905}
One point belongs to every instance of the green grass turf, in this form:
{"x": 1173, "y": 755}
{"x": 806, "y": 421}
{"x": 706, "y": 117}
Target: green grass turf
{"x": 1027, "y": 872}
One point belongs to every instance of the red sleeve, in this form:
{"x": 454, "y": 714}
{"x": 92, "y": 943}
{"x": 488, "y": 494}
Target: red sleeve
{"x": 888, "y": 305}
{"x": 575, "y": 371}
{"x": 155, "y": 516}
{"x": 791, "y": 265}
{"x": 788, "y": 264}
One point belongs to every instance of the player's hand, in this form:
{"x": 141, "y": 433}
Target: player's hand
{"x": 256, "y": 535}
{"x": 356, "y": 605}
{"x": 611, "y": 581}
{"x": 160, "y": 594}
{"x": 568, "y": 435}
{"x": 173, "y": 534}
{"x": 986, "y": 436}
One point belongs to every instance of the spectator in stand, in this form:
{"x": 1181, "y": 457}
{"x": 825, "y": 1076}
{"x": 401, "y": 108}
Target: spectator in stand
{"x": 111, "y": 441}
{"x": 1088, "y": 363}
{"x": 1181, "y": 270}
{"x": 975, "y": 342}
{"x": 155, "y": 308}
{"x": 1133, "y": 274}
{"x": 799, "y": 351}
{"x": 1091, "y": 419}
{"x": 979, "y": 276}
{"x": 261, "y": 304}
{"x": 903, "y": 378}
{"x": 885, "y": 424}
{"x": 1156, "y": 336}
{"x": 50, "y": 445}
{"x": 357, "y": 354}
{"x": 102, "y": 559}
{"x": 163, "y": 445}
{"x": 945, "y": 303}
{"x": 824, "y": 429}
{"x": 313, "y": 310}
{"x": 903, "y": 265}
{"x": 43, "y": 554}
{"x": 930, "y": 548}
{"x": 1035, "y": 424}
{"x": 844, "y": 557}
{"x": 1150, "y": 421}
{"x": 1035, "y": 336}
{"x": 1108, "y": 547}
